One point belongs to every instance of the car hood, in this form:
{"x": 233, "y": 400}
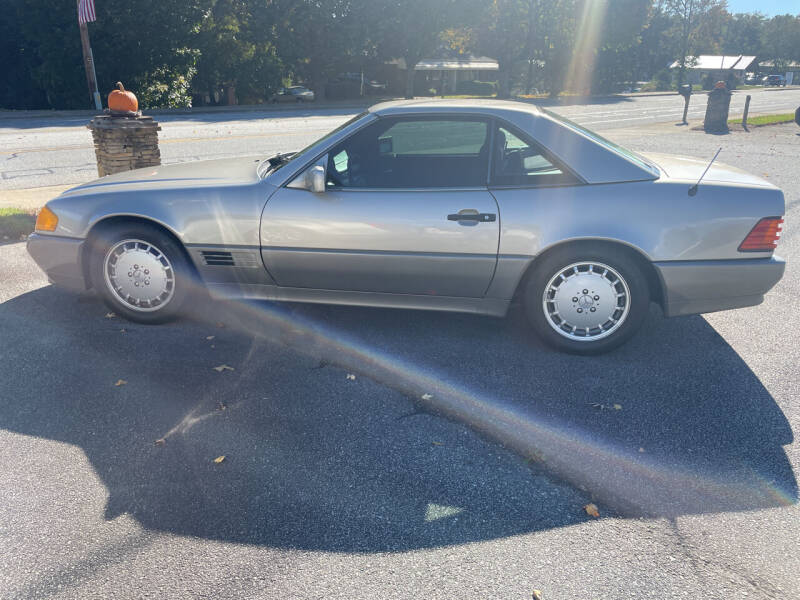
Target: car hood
{"x": 690, "y": 169}
{"x": 224, "y": 172}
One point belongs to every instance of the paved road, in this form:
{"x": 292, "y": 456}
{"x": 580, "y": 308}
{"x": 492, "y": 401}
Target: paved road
{"x": 333, "y": 487}
{"x": 54, "y": 151}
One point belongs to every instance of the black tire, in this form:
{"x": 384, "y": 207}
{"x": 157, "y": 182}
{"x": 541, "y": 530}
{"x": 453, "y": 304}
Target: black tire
{"x": 554, "y": 263}
{"x": 182, "y": 273}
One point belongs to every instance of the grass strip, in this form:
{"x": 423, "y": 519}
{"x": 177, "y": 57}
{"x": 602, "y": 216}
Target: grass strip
{"x": 15, "y": 223}
{"x": 765, "y": 120}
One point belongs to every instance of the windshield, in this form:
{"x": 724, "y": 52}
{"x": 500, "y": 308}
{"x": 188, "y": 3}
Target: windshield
{"x": 616, "y": 148}
{"x": 272, "y": 164}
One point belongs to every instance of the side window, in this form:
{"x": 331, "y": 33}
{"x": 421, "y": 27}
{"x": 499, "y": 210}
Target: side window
{"x": 517, "y": 162}
{"x": 339, "y": 162}
{"x": 413, "y": 153}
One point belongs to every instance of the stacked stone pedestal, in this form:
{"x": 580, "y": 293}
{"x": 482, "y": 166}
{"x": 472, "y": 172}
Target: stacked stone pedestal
{"x": 122, "y": 143}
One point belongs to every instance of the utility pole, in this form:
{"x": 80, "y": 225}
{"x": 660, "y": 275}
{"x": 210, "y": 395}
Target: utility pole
{"x": 88, "y": 63}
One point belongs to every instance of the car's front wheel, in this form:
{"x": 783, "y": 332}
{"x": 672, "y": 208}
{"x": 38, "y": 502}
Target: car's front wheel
{"x": 586, "y": 300}
{"x": 141, "y": 273}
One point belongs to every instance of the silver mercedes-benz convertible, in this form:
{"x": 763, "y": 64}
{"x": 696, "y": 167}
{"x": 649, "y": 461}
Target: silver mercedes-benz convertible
{"x": 449, "y": 205}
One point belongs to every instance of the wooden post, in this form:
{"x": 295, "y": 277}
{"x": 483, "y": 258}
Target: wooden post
{"x": 746, "y": 110}
{"x": 88, "y": 63}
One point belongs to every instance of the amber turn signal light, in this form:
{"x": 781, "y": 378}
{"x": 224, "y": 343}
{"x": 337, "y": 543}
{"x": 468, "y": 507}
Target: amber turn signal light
{"x": 46, "y": 220}
{"x": 763, "y": 237}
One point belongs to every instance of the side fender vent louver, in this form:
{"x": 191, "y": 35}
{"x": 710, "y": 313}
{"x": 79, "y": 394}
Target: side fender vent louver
{"x": 218, "y": 259}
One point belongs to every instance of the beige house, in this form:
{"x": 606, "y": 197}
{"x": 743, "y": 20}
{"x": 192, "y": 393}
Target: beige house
{"x": 720, "y": 67}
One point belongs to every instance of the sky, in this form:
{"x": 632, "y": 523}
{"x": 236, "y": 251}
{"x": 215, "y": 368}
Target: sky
{"x": 767, "y": 7}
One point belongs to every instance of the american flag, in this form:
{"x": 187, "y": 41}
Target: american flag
{"x": 86, "y": 11}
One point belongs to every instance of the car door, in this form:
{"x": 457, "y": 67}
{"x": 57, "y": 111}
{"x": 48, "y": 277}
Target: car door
{"x": 406, "y": 210}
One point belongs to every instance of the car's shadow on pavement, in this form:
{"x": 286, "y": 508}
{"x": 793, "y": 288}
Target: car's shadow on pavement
{"x": 331, "y": 421}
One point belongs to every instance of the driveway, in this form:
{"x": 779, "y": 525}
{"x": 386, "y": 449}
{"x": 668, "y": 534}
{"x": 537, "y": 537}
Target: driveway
{"x": 393, "y": 454}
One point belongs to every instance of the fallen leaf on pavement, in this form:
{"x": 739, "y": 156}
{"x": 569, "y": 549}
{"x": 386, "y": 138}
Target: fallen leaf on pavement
{"x": 618, "y": 407}
{"x": 221, "y": 406}
{"x": 427, "y": 396}
{"x": 641, "y": 449}
{"x": 210, "y": 337}
{"x": 222, "y": 368}
{"x": 123, "y": 331}
{"x": 121, "y": 382}
{"x": 160, "y": 442}
{"x": 537, "y": 595}
{"x": 350, "y": 376}
{"x": 536, "y": 456}
{"x": 437, "y": 443}
{"x": 591, "y": 510}
{"x": 110, "y": 315}
{"x": 219, "y": 459}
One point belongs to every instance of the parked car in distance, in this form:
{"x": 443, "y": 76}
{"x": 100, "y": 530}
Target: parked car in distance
{"x": 751, "y": 79}
{"x": 774, "y": 81}
{"x": 295, "y": 93}
{"x": 458, "y": 205}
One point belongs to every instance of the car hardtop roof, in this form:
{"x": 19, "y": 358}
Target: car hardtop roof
{"x": 432, "y": 106}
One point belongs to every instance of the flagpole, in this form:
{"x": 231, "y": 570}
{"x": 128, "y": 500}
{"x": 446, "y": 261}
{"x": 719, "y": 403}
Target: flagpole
{"x": 88, "y": 63}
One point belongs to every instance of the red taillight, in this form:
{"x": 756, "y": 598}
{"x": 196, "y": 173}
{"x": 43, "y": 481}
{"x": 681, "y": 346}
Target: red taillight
{"x": 763, "y": 237}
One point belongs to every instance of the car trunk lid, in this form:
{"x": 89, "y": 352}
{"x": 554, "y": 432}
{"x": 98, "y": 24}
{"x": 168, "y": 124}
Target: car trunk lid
{"x": 690, "y": 169}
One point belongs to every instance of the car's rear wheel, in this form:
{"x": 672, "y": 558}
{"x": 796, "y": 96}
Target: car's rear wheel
{"x": 141, "y": 273}
{"x": 586, "y": 300}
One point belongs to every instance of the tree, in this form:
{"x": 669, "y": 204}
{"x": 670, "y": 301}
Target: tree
{"x": 658, "y": 46}
{"x": 316, "y": 38}
{"x": 410, "y": 29}
{"x": 742, "y": 35}
{"x": 502, "y": 33}
{"x": 618, "y": 43}
{"x": 552, "y": 41}
{"x": 236, "y": 46}
{"x": 19, "y": 90}
{"x": 148, "y": 45}
{"x": 690, "y": 16}
{"x": 781, "y": 40}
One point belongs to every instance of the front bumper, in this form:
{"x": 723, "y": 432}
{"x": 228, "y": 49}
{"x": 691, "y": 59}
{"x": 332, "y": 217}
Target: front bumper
{"x": 60, "y": 258}
{"x": 701, "y": 286}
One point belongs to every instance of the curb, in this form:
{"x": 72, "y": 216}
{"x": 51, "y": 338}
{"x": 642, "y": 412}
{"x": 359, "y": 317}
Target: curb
{"x": 32, "y": 198}
{"x": 239, "y": 108}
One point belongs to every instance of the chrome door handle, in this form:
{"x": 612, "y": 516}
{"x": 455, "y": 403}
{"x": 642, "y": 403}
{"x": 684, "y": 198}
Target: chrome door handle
{"x": 478, "y": 217}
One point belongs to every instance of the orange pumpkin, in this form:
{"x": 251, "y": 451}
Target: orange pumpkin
{"x": 122, "y": 100}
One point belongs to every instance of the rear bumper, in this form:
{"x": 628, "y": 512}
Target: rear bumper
{"x": 60, "y": 259}
{"x": 701, "y": 286}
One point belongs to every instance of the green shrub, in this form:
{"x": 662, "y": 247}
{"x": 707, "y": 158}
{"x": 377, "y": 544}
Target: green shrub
{"x": 661, "y": 82}
{"x": 168, "y": 86}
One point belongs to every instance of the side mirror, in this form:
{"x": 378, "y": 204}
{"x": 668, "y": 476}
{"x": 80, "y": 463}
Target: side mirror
{"x": 315, "y": 179}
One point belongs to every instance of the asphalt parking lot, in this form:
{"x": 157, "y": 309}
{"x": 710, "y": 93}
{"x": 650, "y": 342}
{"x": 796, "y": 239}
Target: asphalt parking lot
{"x": 394, "y": 454}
